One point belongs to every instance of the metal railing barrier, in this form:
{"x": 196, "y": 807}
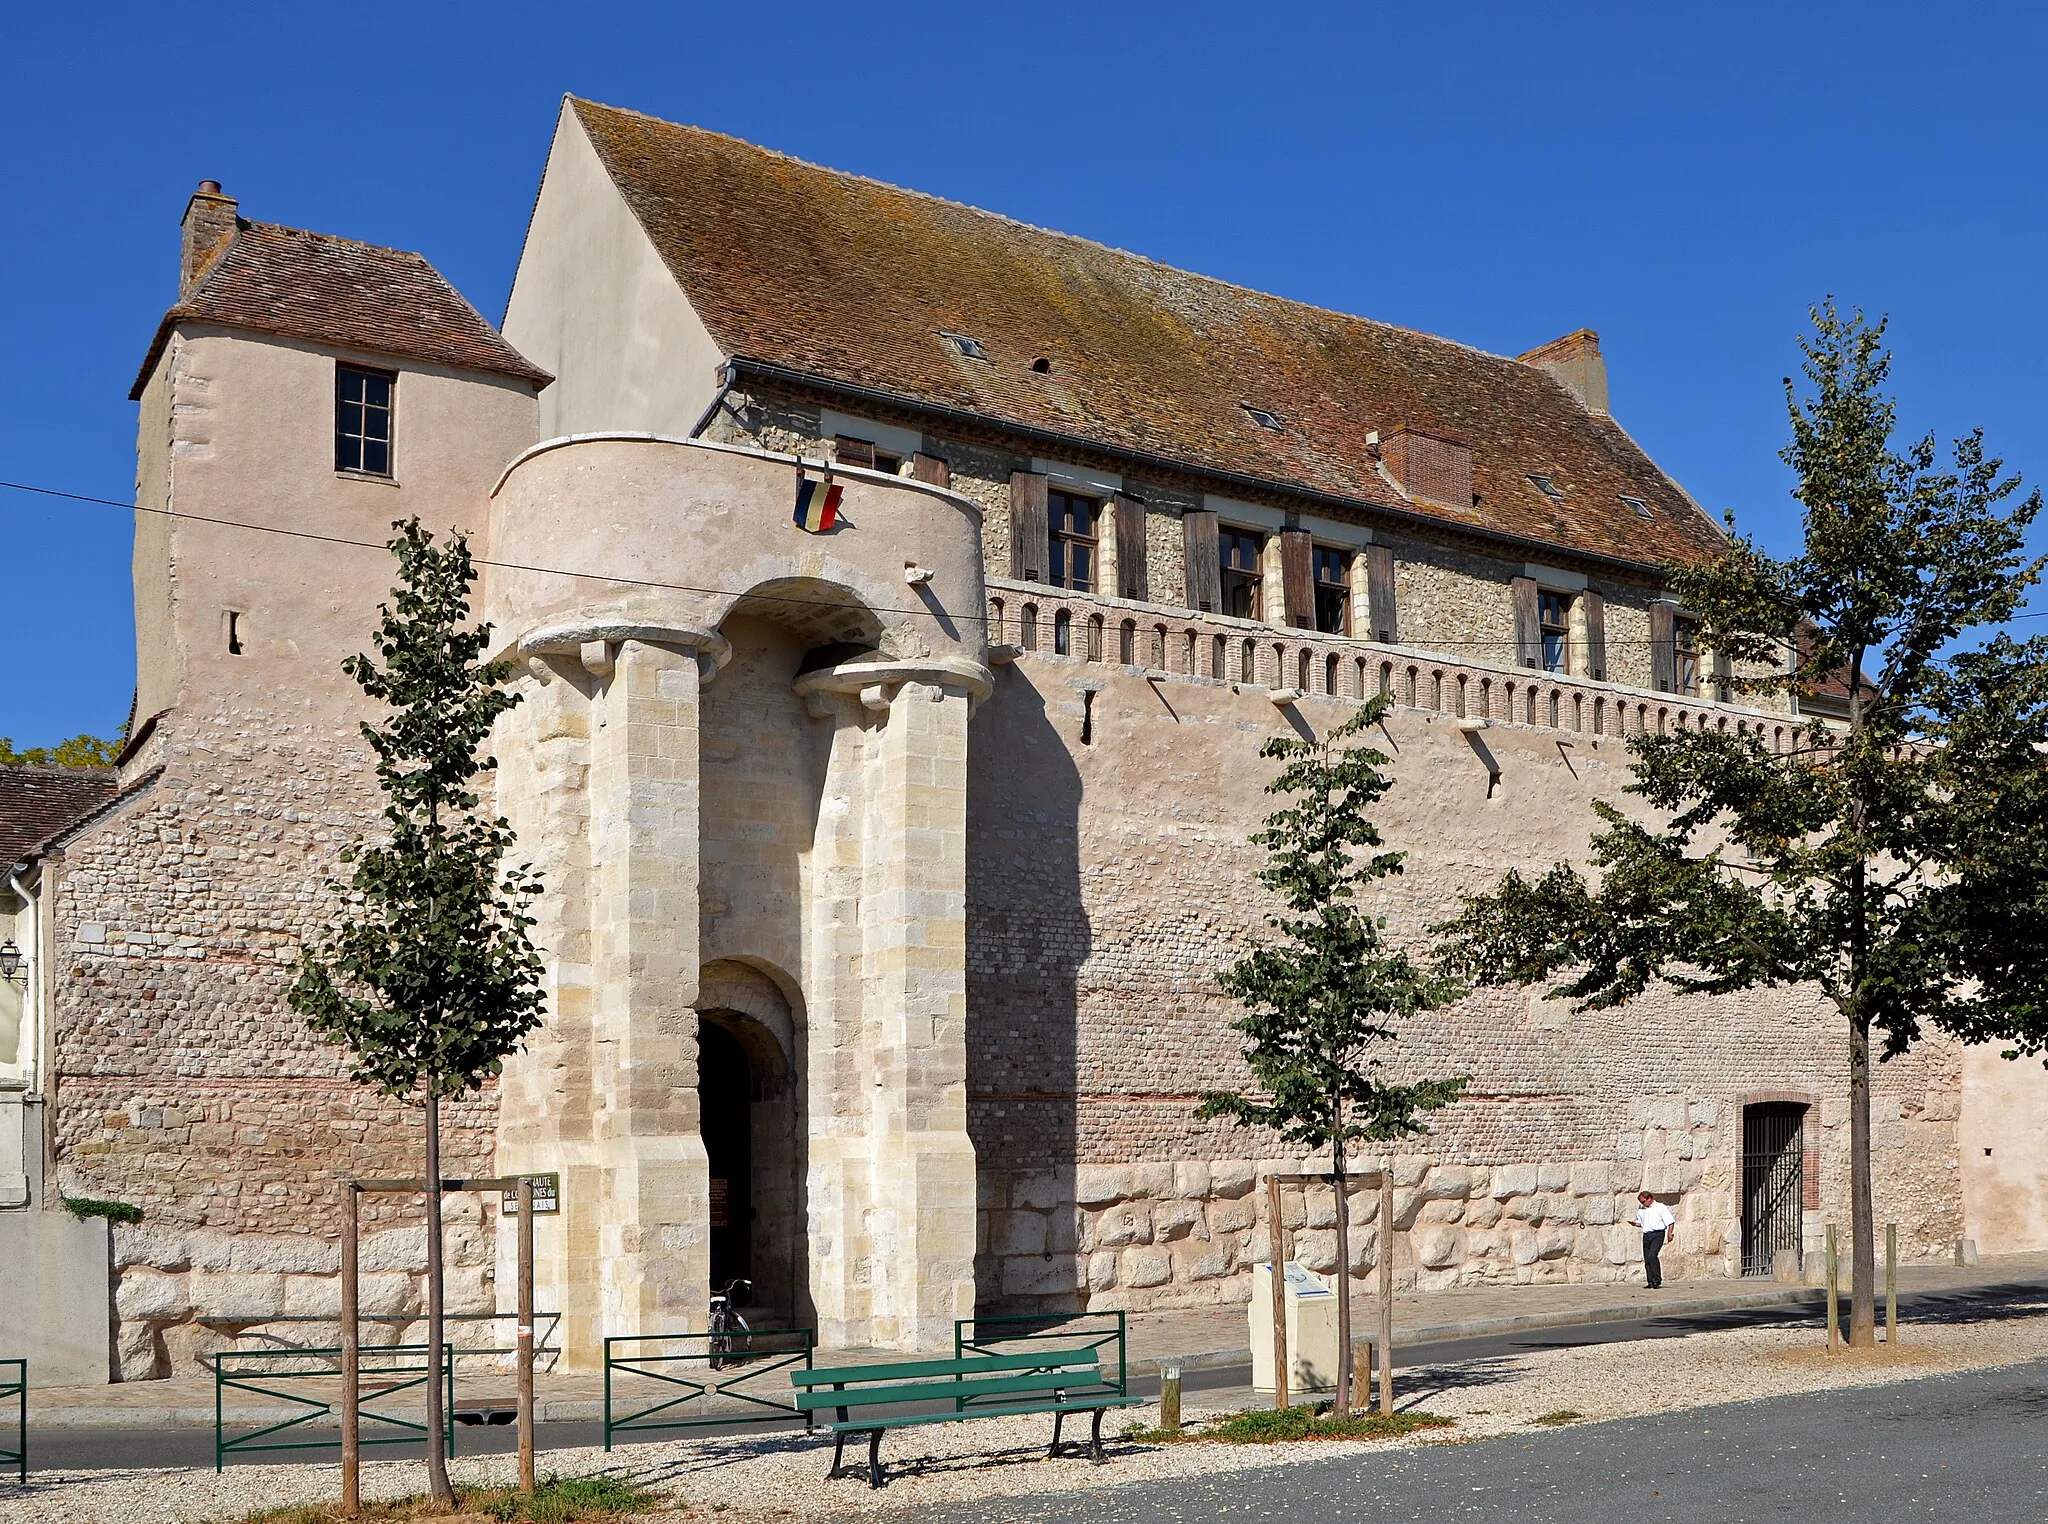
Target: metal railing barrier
{"x": 1099, "y": 1331}
{"x": 311, "y": 1385}
{"x": 716, "y": 1378}
{"x": 16, "y": 1387}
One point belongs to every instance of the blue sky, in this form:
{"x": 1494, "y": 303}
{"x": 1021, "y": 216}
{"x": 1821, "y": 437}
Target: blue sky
{"x": 1686, "y": 180}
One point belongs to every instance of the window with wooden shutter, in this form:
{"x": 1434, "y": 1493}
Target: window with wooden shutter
{"x": 1204, "y": 563}
{"x": 1379, "y": 593}
{"x": 1030, "y": 533}
{"x": 1132, "y": 581}
{"x": 1333, "y": 591}
{"x": 1663, "y": 648}
{"x": 1298, "y": 577}
{"x": 1724, "y": 676}
{"x": 1239, "y": 562}
{"x": 854, "y": 452}
{"x": 929, "y": 468}
{"x": 1528, "y": 628}
{"x": 1596, "y": 635}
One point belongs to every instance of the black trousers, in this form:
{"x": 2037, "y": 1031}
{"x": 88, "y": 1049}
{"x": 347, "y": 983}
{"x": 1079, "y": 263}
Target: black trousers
{"x": 1653, "y": 1245}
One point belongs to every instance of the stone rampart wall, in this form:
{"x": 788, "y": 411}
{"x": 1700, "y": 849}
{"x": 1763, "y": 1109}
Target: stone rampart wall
{"x": 1110, "y": 877}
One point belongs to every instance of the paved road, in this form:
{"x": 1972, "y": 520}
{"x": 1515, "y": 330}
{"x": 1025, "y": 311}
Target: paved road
{"x": 98, "y": 1448}
{"x": 1971, "y": 1448}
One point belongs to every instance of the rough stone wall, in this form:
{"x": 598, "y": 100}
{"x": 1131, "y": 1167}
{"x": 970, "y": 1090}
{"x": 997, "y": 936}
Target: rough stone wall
{"x": 1110, "y": 879}
{"x": 187, "y": 1087}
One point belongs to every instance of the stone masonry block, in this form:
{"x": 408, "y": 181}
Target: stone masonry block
{"x": 1101, "y": 1184}
{"x": 1447, "y": 1182}
{"x": 1592, "y": 1177}
{"x": 1553, "y": 1177}
{"x": 1513, "y": 1180}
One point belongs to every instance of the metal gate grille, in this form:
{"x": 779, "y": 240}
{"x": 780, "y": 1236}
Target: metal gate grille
{"x": 1773, "y": 1182}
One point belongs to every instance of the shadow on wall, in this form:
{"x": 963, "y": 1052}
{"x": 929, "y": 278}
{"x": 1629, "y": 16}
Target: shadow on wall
{"x": 1027, "y": 936}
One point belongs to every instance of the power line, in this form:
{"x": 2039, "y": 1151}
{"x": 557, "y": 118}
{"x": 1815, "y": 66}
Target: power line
{"x": 558, "y": 571}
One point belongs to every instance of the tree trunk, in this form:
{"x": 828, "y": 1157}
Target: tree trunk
{"x": 1344, "y": 1355}
{"x": 1862, "y": 1215}
{"x": 437, "y": 1401}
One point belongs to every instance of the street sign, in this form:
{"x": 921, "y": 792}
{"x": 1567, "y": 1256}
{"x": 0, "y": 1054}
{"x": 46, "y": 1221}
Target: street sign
{"x": 547, "y": 1195}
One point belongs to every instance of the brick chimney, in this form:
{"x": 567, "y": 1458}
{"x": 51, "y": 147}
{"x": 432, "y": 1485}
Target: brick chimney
{"x": 1575, "y": 360}
{"x": 209, "y": 229}
{"x": 1430, "y": 465}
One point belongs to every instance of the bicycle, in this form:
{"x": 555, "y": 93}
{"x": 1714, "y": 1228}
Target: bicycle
{"x": 731, "y": 1338}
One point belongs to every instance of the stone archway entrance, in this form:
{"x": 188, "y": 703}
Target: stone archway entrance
{"x": 725, "y": 1088}
{"x": 749, "y": 1116}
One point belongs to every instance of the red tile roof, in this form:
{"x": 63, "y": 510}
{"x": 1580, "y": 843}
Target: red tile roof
{"x": 852, "y": 282}
{"x": 38, "y": 802}
{"x": 301, "y": 285}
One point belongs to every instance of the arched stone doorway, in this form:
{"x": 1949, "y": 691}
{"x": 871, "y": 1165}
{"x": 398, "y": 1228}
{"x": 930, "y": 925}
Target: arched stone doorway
{"x": 749, "y": 1106}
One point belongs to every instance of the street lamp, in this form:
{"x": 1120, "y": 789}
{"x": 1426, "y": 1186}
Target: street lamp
{"x": 10, "y": 959}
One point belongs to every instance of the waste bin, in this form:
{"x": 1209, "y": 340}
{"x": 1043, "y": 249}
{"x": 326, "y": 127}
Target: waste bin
{"x": 1311, "y": 1331}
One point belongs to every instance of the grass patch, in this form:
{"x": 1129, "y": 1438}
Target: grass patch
{"x": 557, "y": 1500}
{"x": 1271, "y": 1426}
{"x": 1559, "y": 1418}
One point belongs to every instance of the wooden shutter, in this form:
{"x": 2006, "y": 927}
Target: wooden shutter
{"x": 1298, "y": 577}
{"x": 854, "y": 452}
{"x": 1379, "y": 592}
{"x": 1030, "y": 533}
{"x": 1663, "y": 648}
{"x": 1131, "y": 578}
{"x": 1596, "y": 636}
{"x": 1204, "y": 561}
{"x": 929, "y": 468}
{"x": 1528, "y": 624}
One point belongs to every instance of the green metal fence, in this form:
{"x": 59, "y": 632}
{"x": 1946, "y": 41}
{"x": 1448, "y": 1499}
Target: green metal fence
{"x": 699, "y": 1369}
{"x": 1104, "y": 1332}
{"x": 16, "y": 1387}
{"x": 384, "y": 1374}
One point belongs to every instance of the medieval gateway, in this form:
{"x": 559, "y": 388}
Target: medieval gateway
{"x": 889, "y": 867}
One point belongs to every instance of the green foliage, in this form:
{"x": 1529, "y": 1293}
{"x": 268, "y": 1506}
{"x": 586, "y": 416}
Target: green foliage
{"x": 83, "y": 1207}
{"x": 79, "y": 751}
{"x": 554, "y": 1500}
{"x": 564, "y": 1500}
{"x": 1268, "y": 1426}
{"x": 1898, "y": 863}
{"x": 1559, "y": 1417}
{"x": 1320, "y": 1001}
{"x": 426, "y": 975}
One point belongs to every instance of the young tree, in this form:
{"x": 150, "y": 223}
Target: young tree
{"x": 426, "y": 974}
{"x": 1322, "y": 1002}
{"x": 1897, "y": 863}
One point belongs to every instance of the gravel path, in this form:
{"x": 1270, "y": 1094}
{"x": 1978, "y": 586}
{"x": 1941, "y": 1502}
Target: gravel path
{"x": 771, "y": 1475}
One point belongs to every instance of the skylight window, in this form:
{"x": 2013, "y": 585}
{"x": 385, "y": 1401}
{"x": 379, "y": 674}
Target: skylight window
{"x": 1546, "y": 486}
{"x": 1639, "y": 506}
{"x": 966, "y": 346}
{"x": 1261, "y": 417}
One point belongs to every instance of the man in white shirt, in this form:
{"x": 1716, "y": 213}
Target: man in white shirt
{"x": 1655, "y": 1219}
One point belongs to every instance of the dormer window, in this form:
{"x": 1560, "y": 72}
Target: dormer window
{"x": 363, "y": 405}
{"x": 1640, "y": 507}
{"x": 1261, "y": 417}
{"x": 964, "y": 345}
{"x": 1546, "y": 486}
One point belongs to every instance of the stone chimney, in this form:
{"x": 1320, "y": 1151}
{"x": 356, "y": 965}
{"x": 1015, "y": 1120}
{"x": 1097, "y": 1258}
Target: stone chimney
{"x": 1575, "y": 360}
{"x": 209, "y": 229}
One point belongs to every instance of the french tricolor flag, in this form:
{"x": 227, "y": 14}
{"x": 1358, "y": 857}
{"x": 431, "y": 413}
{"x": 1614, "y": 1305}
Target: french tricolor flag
{"x": 817, "y": 505}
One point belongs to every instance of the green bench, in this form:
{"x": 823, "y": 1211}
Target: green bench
{"x": 1055, "y": 1381}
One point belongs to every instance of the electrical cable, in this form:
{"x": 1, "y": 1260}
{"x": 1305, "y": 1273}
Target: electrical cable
{"x": 558, "y": 571}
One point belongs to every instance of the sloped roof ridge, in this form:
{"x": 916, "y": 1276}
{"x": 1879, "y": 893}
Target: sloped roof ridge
{"x": 1066, "y": 237}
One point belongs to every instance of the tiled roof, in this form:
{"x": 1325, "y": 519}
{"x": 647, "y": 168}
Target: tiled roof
{"x": 301, "y": 285}
{"x": 38, "y": 802}
{"x": 852, "y": 281}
